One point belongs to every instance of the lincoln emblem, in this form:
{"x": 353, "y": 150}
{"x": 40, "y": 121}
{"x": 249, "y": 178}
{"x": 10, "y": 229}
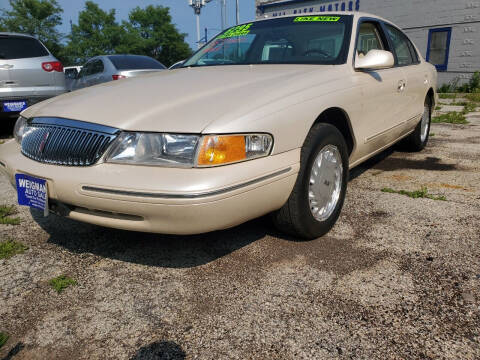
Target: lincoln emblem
{"x": 43, "y": 143}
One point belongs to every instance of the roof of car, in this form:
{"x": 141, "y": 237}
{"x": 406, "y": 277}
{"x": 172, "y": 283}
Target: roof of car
{"x": 16, "y": 34}
{"x": 356, "y": 14}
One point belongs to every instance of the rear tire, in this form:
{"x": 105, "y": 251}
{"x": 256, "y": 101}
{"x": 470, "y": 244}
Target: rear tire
{"x": 417, "y": 140}
{"x": 319, "y": 192}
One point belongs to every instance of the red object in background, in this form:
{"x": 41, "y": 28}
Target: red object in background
{"x": 118, "y": 77}
{"x": 52, "y": 66}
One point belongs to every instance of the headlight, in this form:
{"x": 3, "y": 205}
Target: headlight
{"x": 178, "y": 150}
{"x": 154, "y": 149}
{"x": 19, "y": 129}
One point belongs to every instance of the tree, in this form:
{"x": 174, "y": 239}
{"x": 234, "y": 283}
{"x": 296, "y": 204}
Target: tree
{"x": 35, "y": 17}
{"x": 150, "y": 32}
{"x": 97, "y": 33}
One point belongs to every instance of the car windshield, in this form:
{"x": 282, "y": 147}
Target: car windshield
{"x": 290, "y": 40}
{"x": 132, "y": 62}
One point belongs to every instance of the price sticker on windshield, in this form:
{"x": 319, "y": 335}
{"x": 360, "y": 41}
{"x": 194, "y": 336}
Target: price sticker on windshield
{"x": 236, "y": 31}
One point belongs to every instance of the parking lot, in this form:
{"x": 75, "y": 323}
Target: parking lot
{"x": 397, "y": 278}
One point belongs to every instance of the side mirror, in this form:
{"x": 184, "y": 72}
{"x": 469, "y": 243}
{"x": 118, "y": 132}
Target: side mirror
{"x": 375, "y": 60}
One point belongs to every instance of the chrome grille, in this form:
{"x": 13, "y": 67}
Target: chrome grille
{"x": 66, "y": 142}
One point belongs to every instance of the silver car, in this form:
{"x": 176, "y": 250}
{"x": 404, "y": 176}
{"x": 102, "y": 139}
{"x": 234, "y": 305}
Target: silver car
{"x": 100, "y": 69}
{"x": 29, "y": 73}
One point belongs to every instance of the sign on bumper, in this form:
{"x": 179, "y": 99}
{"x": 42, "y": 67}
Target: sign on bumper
{"x": 32, "y": 192}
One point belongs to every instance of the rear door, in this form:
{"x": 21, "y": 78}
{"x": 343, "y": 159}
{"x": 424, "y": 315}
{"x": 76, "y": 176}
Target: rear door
{"x": 24, "y": 57}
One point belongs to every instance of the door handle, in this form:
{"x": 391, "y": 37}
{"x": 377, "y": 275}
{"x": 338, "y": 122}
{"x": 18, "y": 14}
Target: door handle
{"x": 6, "y": 66}
{"x": 401, "y": 85}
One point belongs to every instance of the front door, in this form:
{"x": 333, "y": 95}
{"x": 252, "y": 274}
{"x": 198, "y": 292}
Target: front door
{"x": 383, "y": 93}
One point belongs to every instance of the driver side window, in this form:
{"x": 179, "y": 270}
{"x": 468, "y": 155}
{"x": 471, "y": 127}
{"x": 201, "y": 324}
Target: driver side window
{"x": 369, "y": 38}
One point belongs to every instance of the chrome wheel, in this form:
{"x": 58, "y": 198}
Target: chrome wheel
{"x": 325, "y": 182}
{"x": 425, "y": 123}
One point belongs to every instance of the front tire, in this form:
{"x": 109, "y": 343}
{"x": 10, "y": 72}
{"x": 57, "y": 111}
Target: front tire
{"x": 319, "y": 192}
{"x": 417, "y": 140}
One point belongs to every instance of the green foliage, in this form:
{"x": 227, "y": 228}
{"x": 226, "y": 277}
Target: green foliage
{"x": 472, "y": 86}
{"x": 445, "y": 88}
{"x": 97, "y": 33}
{"x": 469, "y": 107}
{"x": 475, "y": 97}
{"x": 422, "y": 193}
{"x": 451, "y": 117}
{"x": 148, "y": 32}
{"x": 61, "y": 282}
{"x": 3, "y": 339}
{"x": 447, "y": 96}
{"x": 9, "y": 248}
{"x": 35, "y": 17}
{"x": 5, "y": 212}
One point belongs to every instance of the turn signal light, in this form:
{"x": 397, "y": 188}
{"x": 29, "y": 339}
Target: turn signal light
{"x": 118, "y": 77}
{"x": 52, "y": 66}
{"x": 216, "y": 150}
{"x": 224, "y": 149}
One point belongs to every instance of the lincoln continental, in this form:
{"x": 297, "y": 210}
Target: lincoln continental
{"x": 266, "y": 118}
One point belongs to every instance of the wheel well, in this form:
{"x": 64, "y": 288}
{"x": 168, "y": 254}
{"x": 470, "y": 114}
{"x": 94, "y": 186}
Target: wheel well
{"x": 431, "y": 95}
{"x": 338, "y": 118}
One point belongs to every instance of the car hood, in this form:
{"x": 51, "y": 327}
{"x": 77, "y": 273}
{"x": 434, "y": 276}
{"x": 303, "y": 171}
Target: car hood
{"x": 183, "y": 100}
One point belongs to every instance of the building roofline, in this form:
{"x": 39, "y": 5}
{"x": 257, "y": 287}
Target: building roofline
{"x": 280, "y": 3}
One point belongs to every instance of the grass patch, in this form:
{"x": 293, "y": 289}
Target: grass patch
{"x": 9, "y": 248}
{"x": 418, "y": 194}
{"x": 2, "y": 142}
{"x": 447, "y": 96}
{"x": 473, "y": 97}
{"x": 432, "y": 134}
{"x": 3, "y": 338}
{"x": 6, "y": 211}
{"x": 438, "y": 108}
{"x": 451, "y": 117}
{"x": 61, "y": 282}
{"x": 469, "y": 107}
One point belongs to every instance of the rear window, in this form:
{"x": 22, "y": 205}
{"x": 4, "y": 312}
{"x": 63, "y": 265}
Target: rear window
{"x": 135, "y": 63}
{"x": 12, "y": 47}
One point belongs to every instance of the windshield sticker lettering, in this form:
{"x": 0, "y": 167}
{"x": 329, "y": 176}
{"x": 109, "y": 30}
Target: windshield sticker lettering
{"x": 236, "y": 31}
{"x": 317, "y": 19}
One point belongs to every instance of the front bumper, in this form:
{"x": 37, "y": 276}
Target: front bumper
{"x": 162, "y": 200}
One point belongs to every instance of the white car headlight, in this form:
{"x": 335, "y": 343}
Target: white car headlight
{"x": 180, "y": 150}
{"x": 154, "y": 149}
{"x": 19, "y": 129}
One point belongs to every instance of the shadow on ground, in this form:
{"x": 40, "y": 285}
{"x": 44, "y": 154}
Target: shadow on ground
{"x": 151, "y": 249}
{"x": 14, "y": 351}
{"x": 163, "y": 350}
{"x": 176, "y": 251}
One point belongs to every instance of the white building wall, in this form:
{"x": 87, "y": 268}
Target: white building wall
{"x": 416, "y": 17}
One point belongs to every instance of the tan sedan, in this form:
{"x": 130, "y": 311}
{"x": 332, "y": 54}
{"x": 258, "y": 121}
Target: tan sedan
{"x": 268, "y": 117}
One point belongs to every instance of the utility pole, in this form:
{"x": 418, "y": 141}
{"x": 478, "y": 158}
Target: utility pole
{"x": 223, "y": 8}
{"x": 197, "y": 8}
{"x": 238, "y": 12}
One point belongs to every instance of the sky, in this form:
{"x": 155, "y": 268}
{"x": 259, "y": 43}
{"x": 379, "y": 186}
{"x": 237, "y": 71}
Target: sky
{"x": 182, "y": 14}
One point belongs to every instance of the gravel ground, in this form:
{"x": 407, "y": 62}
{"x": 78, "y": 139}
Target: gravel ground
{"x": 397, "y": 278}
